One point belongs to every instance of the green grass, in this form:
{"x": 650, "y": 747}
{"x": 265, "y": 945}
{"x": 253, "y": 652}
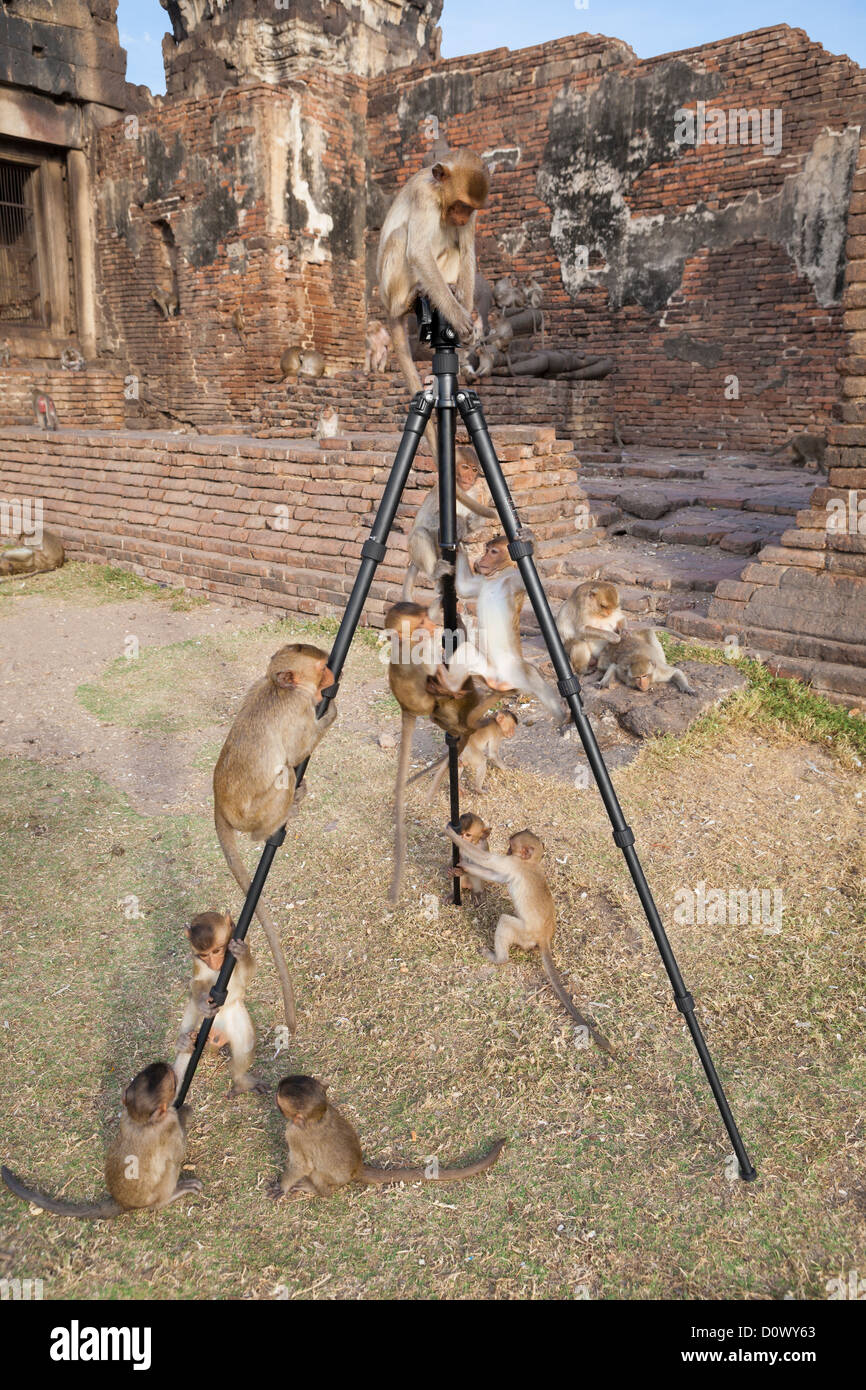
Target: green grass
{"x": 775, "y": 704}
{"x": 93, "y": 584}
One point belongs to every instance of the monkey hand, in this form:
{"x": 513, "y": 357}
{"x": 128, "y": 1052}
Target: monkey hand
{"x": 210, "y": 1010}
{"x": 238, "y": 948}
{"x": 185, "y": 1042}
{"x": 441, "y": 569}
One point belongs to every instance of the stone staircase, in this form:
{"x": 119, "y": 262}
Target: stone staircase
{"x": 669, "y": 528}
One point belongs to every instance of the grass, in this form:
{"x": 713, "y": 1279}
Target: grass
{"x": 777, "y": 704}
{"x": 613, "y": 1183}
{"x": 76, "y": 582}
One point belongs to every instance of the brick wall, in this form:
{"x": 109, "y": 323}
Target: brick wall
{"x": 278, "y": 524}
{"x": 566, "y": 121}
{"x": 240, "y": 180}
{"x": 81, "y": 398}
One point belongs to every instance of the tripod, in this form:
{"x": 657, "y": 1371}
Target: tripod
{"x": 449, "y": 399}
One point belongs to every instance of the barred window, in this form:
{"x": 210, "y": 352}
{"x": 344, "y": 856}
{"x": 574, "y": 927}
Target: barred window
{"x": 19, "y": 273}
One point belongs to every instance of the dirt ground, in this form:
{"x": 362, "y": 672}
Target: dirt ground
{"x": 616, "y": 1180}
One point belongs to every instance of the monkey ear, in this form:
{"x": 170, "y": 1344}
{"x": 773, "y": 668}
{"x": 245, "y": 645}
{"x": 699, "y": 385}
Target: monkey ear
{"x": 286, "y": 679}
{"x": 439, "y": 172}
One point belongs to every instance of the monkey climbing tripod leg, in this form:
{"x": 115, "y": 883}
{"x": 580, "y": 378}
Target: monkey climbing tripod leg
{"x": 520, "y": 548}
{"x": 372, "y": 553}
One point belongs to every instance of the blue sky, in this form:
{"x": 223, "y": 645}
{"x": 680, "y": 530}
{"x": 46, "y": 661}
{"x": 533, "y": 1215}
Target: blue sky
{"x": 656, "y": 26}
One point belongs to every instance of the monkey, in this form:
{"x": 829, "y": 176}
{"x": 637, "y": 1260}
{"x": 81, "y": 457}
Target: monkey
{"x": 590, "y": 618}
{"x": 473, "y": 829}
{"x": 639, "y": 661}
{"x": 5, "y": 353}
{"x": 807, "y": 448}
{"x": 509, "y": 296}
{"x": 164, "y": 295}
{"x": 459, "y": 714}
{"x": 483, "y": 744}
{"x": 71, "y": 360}
{"x": 534, "y": 294}
{"x": 497, "y": 658}
{"x": 290, "y": 362}
{"x": 424, "y": 536}
{"x": 210, "y": 936}
{"x": 274, "y": 730}
{"x": 413, "y": 659}
{"x": 485, "y": 360}
{"x": 534, "y": 919}
{"x": 25, "y": 557}
{"x": 312, "y": 364}
{"x": 239, "y": 322}
{"x": 143, "y": 1163}
{"x": 378, "y": 345}
{"x": 617, "y": 436}
{"x": 500, "y": 335}
{"x": 426, "y": 245}
{"x": 329, "y": 424}
{"x": 44, "y": 412}
{"x": 325, "y": 1151}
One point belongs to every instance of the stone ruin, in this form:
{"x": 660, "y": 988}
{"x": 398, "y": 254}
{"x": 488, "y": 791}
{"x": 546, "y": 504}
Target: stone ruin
{"x": 698, "y": 218}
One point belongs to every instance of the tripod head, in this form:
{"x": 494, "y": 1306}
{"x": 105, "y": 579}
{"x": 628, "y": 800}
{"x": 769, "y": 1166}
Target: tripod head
{"x": 432, "y": 327}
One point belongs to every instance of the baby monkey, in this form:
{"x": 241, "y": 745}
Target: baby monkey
{"x": 210, "y": 936}
{"x": 482, "y": 746}
{"x": 534, "y": 919}
{"x": 143, "y": 1163}
{"x": 588, "y": 621}
{"x": 473, "y": 829}
{"x": 325, "y": 1151}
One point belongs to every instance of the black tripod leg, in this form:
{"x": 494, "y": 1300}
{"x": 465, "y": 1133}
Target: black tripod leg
{"x": 372, "y": 553}
{"x": 469, "y": 405}
{"x": 445, "y": 363}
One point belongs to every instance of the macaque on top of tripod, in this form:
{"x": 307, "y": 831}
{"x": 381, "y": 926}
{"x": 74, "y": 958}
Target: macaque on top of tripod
{"x": 427, "y": 244}
{"x": 210, "y": 937}
{"x": 424, "y": 537}
{"x": 275, "y": 729}
{"x": 143, "y": 1163}
{"x": 495, "y": 654}
{"x": 533, "y": 921}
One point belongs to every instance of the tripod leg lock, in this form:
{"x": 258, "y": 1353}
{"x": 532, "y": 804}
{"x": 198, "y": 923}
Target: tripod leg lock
{"x": 685, "y": 1003}
{"x": 452, "y": 740}
{"x": 623, "y": 838}
{"x": 277, "y": 838}
{"x": 373, "y": 550}
{"x": 218, "y": 996}
{"x": 569, "y": 687}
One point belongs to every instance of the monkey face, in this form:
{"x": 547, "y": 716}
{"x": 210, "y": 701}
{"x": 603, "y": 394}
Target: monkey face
{"x": 213, "y": 958}
{"x": 467, "y": 474}
{"x": 495, "y": 557}
{"x": 459, "y": 214}
{"x": 507, "y": 723}
{"x": 640, "y": 675}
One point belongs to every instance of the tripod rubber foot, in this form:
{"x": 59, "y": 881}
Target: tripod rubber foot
{"x": 748, "y": 1174}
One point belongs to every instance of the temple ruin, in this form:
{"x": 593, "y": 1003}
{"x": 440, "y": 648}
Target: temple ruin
{"x": 697, "y": 217}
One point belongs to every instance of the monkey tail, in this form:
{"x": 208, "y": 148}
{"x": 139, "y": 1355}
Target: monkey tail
{"x": 381, "y": 1177}
{"x": 407, "y": 728}
{"x": 562, "y": 994}
{"x": 779, "y": 447}
{"x": 402, "y": 351}
{"x": 229, "y": 845}
{"x": 409, "y": 583}
{"x": 478, "y": 508}
{"x": 98, "y": 1211}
